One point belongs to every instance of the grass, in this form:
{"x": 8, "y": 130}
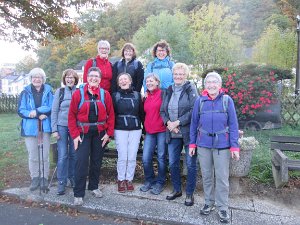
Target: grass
{"x": 13, "y": 151}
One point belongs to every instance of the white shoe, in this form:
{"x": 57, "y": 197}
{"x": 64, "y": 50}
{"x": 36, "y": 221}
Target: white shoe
{"x": 78, "y": 201}
{"x": 97, "y": 193}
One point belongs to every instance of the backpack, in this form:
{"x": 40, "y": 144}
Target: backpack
{"x": 61, "y": 95}
{"x": 135, "y": 64}
{"x": 82, "y": 100}
{"x": 161, "y": 66}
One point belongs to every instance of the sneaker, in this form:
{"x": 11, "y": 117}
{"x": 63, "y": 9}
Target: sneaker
{"x": 224, "y": 216}
{"x": 146, "y": 187}
{"x": 97, "y": 193}
{"x": 60, "y": 188}
{"x": 78, "y": 201}
{"x": 206, "y": 209}
{"x": 157, "y": 189}
{"x": 35, "y": 183}
{"x": 121, "y": 186}
{"x": 129, "y": 185}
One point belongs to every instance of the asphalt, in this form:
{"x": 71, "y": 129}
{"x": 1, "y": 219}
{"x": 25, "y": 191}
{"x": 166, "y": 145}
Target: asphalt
{"x": 142, "y": 206}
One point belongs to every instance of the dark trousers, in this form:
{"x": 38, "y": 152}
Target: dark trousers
{"x": 89, "y": 157}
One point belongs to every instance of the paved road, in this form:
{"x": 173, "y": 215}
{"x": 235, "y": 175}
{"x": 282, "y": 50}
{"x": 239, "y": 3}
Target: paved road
{"x": 13, "y": 214}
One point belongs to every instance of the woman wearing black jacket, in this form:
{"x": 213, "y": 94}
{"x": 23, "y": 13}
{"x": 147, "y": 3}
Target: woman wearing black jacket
{"x": 128, "y": 64}
{"x": 129, "y": 115}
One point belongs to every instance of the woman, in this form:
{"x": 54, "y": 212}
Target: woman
{"x": 155, "y": 137}
{"x": 34, "y": 107}
{"x": 60, "y": 131}
{"x": 214, "y": 132}
{"x": 91, "y": 124}
{"x": 129, "y": 115}
{"x": 101, "y": 61}
{"x": 128, "y": 64}
{"x": 176, "y": 112}
{"x": 161, "y": 65}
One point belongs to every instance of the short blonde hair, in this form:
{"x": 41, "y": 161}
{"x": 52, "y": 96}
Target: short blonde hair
{"x": 181, "y": 66}
{"x": 37, "y": 72}
{"x": 154, "y": 76}
{"x": 213, "y": 74}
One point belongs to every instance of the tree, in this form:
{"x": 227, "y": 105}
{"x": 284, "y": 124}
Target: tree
{"x": 276, "y": 47}
{"x": 25, "y": 21}
{"x": 214, "y": 39}
{"x": 26, "y": 64}
{"x": 172, "y": 28}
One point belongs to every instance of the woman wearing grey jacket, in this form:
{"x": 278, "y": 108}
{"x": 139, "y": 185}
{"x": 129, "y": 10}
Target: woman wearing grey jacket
{"x": 60, "y": 131}
{"x": 176, "y": 112}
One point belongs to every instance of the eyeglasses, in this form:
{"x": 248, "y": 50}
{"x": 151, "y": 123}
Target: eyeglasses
{"x": 103, "y": 48}
{"x": 161, "y": 50}
{"x": 212, "y": 82}
{"x": 37, "y": 77}
{"x": 93, "y": 76}
{"x": 71, "y": 78}
{"x": 128, "y": 50}
{"x": 179, "y": 74}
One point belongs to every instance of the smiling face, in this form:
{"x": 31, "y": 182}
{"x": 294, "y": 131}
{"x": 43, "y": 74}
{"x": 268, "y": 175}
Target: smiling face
{"x": 103, "y": 51}
{"x": 179, "y": 76}
{"x": 151, "y": 84}
{"x": 93, "y": 79}
{"x": 213, "y": 86}
{"x": 161, "y": 53}
{"x": 128, "y": 54}
{"x": 70, "y": 80}
{"x": 124, "y": 81}
{"x": 37, "y": 81}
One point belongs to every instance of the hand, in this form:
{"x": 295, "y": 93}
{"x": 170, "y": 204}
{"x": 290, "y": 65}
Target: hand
{"x": 55, "y": 135}
{"x": 175, "y": 130}
{"x": 105, "y": 139}
{"x": 192, "y": 151}
{"x": 235, "y": 155}
{"x": 42, "y": 117}
{"x": 172, "y": 125}
{"x": 32, "y": 114}
{"x": 76, "y": 142}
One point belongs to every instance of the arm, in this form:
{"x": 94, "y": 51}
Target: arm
{"x": 54, "y": 111}
{"x": 88, "y": 65}
{"x": 163, "y": 108}
{"x": 147, "y": 71}
{"x": 23, "y": 112}
{"x": 110, "y": 115}
{"x": 233, "y": 127}
{"x": 72, "y": 116}
{"x": 114, "y": 86}
{"x": 140, "y": 77}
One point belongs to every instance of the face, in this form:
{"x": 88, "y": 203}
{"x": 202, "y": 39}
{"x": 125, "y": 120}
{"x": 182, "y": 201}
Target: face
{"x": 124, "y": 82}
{"x": 212, "y": 85}
{"x": 161, "y": 53}
{"x": 128, "y": 53}
{"x": 151, "y": 84}
{"x": 37, "y": 81}
{"x": 70, "y": 80}
{"x": 103, "y": 51}
{"x": 179, "y": 76}
{"x": 94, "y": 79}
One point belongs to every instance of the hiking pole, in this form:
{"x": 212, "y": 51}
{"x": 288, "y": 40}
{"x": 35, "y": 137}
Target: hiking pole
{"x": 39, "y": 153}
{"x": 45, "y": 189}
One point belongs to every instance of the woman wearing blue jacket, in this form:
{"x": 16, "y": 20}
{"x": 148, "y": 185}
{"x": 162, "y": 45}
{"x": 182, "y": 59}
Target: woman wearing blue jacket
{"x": 214, "y": 132}
{"x": 34, "y": 107}
{"x": 161, "y": 65}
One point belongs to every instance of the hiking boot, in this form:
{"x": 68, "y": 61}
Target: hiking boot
{"x": 97, "y": 193}
{"x": 60, "y": 188}
{"x": 78, "y": 201}
{"x": 157, "y": 189}
{"x": 35, "y": 183}
{"x": 174, "y": 194}
{"x": 121, "y": 186}
{"x": 146, "y": 187}
{"x": 189, "y": 200}
{"x": 206, "y": 209}
{"x": 224, "y": 216}
{"x": 129, "y": 185}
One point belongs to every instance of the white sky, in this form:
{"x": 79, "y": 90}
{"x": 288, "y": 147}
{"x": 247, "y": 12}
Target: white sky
{"x": 13, "y": 52}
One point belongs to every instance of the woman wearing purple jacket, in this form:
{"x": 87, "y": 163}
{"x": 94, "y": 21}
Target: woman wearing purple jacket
{"x": 214, "y": 132}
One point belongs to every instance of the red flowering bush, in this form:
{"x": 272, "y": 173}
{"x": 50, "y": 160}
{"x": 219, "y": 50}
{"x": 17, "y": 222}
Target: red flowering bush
{"x": 253, "y": 88}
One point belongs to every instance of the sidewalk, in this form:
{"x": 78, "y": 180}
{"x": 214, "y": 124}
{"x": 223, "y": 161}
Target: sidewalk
{"x": 145, "y": 206}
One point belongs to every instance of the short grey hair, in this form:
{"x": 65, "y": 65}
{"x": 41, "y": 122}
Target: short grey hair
{"x": 154, "y": 76}
{"x": 103, "y": 43}
{"x": 37, "y": 72}
{"x": 213, "y": 74}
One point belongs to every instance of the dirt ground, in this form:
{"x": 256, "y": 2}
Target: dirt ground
{"x": 18, "y": 176}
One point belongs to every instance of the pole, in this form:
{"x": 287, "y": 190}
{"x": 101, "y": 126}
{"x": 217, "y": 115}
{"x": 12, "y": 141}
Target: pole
{"x": 297, "y": 89}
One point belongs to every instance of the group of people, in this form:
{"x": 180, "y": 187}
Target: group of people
{"x": 110, "y": 104}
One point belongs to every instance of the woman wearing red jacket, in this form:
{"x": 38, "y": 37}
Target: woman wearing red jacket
{"x": 91, "y": 123}
{"x": 101, "y": 61}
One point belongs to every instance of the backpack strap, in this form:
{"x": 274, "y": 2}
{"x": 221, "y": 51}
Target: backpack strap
{"x": 61, "y": 95}
{"x": 94, "y": 62}
{"x": 82, "y": 100}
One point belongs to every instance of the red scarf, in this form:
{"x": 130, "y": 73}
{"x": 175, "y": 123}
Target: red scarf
{"x": 93, "y": 90}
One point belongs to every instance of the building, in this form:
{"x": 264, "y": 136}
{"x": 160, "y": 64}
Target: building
{"x": 13, "y": 84}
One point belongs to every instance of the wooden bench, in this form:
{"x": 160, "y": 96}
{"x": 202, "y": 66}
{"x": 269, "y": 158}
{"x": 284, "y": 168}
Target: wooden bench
{"x": 281, "y": 163}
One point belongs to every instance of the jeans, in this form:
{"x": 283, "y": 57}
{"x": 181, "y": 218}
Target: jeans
{"x": 66, "y": 155}
{"x": 174, "y": 150}
{"x": 150, "y": 142}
